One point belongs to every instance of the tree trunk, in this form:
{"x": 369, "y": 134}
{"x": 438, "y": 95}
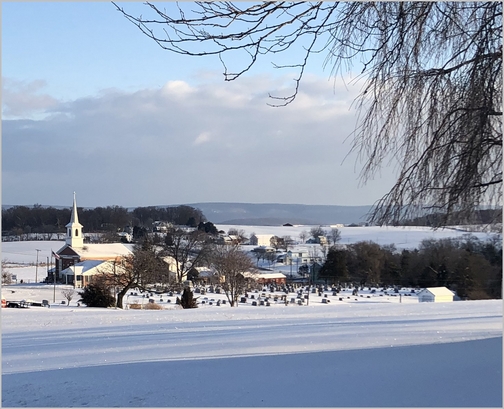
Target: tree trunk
{"x": 120, "y": 296}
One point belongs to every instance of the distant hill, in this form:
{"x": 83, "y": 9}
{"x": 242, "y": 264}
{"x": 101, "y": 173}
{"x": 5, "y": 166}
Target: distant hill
{"x": 276, "y": 214}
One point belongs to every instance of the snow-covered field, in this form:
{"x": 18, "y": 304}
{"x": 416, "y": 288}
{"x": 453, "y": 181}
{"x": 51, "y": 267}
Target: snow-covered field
{"x": 354, "y": 352}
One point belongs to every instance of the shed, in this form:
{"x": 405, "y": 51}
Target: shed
{"x": 435, "y": 294}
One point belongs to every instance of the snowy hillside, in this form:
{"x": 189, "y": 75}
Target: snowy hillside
{"x": 379, "y": 351}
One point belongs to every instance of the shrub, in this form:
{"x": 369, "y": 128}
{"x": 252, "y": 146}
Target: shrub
{"x": 153, "y": 306}
{"x": 97, "y": 295}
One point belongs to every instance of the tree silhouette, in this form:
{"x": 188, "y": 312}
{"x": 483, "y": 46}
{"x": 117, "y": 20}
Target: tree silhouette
{"x": 433, "y": 84}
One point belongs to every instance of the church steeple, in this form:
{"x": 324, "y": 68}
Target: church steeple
{"x": 74, "y": 229}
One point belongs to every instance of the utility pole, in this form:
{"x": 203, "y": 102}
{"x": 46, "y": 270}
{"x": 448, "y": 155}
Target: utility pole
{"x": 36, "y": 267}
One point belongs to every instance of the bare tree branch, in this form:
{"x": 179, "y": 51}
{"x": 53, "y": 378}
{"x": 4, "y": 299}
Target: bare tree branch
{"x": 432, "y": 99}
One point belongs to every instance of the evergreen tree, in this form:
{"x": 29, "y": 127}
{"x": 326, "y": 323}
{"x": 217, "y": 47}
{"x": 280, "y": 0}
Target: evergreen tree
{"x": 187, "y": 300}
{"x": 97, "y": 294}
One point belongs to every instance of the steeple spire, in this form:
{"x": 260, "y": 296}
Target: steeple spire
{"x": 74, "y": 229}
{"x": 74, "y": 218}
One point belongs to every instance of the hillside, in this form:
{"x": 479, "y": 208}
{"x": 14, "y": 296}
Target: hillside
{"x": 276, "y": 214}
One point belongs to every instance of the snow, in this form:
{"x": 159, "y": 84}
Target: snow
{"x": 423, "y": 354}
{"x": 382, "y": 351}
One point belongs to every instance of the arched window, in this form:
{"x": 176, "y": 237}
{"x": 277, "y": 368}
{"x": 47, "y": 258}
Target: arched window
{"x": 69, "y": 233}
{"x": 76, "y": 232}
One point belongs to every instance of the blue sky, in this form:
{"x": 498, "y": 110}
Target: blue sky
{"x": 89, "y": 104}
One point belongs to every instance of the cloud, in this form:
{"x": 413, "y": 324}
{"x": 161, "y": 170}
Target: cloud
{"x": 184, "y": 143}
{"x": 22, "y": 99}
{"x": 202, "y": 138}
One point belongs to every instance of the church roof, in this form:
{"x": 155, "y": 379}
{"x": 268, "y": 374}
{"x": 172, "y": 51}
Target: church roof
{"x": 105, "y": 251}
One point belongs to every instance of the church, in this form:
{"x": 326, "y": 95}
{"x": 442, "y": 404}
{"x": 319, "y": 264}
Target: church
{"x": 77, "y": 262}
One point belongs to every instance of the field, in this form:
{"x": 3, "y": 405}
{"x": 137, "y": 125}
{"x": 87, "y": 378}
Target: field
{"x": 382, "y": 351}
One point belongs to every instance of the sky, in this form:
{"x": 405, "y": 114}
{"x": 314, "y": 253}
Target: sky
{"x": 91, "y": 105}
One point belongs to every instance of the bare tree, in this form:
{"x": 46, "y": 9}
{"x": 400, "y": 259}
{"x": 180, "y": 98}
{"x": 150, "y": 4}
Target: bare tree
{"x": 6, "y": 274}
{"x": 68, "y": 293}
{"x": 316, "y": 232}
{"x": 138, "y": 270}
{"x": 232, "y": 265}
{"x": 239, "y": 233}
{"x": 433, "y": 84}
{"x": 335, "y": 235}
{"x": 287, "y": 242}
{"x": 187, "y": 248}
{"x": 303, "y": 236}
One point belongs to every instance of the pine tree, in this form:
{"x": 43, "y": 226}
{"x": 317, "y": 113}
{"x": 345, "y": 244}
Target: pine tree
{"x": 97, "y": 295}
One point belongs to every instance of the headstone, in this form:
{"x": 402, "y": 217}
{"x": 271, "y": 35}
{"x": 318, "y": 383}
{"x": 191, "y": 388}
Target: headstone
{"x": 293, "y": 300}
{"x": 252, "y": 296}
{"x": 324, "y": 300}
{"x": 151, "y": 301}
{"x": 267, "y": 304}
{"x": 243, "y": 300}
{"x": 254, "y": 303}
{"x": 224, "y": 301}
{"x": 261, "y": 302}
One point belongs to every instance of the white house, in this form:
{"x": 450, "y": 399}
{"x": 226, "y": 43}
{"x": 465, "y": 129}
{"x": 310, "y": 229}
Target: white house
{"x": 260, "y": 239}
{"x": 435, "y": 294}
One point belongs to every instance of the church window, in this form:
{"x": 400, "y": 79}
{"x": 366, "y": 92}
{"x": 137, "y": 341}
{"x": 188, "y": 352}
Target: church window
{"x": 76, "y": 232}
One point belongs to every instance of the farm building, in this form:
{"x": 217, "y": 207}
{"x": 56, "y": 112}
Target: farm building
{"x": 435, "y": 294}
{"x": 260, "y": 239}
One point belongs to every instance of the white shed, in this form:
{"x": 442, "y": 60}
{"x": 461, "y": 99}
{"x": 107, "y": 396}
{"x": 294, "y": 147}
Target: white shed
{"x": 435, "y": 294}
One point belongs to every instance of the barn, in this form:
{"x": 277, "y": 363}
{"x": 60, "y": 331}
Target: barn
{"x": 435, "y": 294}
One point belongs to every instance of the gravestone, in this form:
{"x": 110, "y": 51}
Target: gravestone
{"x": 254, "y": 303}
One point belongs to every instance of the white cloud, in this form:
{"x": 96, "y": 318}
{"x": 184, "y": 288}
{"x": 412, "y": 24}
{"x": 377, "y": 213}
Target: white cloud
{"x": 22, "y": 99}
{"x": 138, "y": 148}
{"x": 202, "y": 138}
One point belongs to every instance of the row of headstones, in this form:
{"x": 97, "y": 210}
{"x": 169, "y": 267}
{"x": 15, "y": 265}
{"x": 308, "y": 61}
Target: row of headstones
{"x": 218, "y": 303}
{"x": 202, "y": 291}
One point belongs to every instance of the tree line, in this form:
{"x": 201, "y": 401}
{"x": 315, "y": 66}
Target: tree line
{"x": 41, "y": 219}
{"x": 471, "y": 267}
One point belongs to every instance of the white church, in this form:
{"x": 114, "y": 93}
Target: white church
{"x": 77, "y": 262}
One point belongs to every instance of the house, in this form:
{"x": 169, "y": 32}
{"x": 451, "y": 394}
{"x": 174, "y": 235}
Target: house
{"x": 435, "y": 294}
{"x": 75, "y": 251}
{"x": 260, "y": 239}
{"x": 268, "y": 278}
